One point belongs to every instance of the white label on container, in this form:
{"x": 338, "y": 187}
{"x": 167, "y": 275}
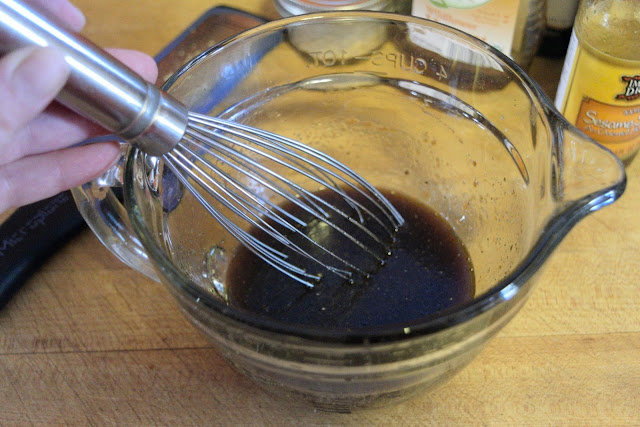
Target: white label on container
{"x": 450, "y": 48}
{"x": 492, "y": 21}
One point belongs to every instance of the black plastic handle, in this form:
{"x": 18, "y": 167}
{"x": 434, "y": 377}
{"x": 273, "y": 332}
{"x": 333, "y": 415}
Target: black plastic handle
{"x": 31, "y": 235}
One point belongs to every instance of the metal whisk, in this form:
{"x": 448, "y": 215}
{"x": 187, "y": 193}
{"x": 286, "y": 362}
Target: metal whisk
{"x": 240, "y": 174}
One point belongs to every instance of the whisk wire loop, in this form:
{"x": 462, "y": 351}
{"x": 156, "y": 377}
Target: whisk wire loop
{"x": 227, "y": 161}
{"x": 299, "y": 164}
{"x": 178, "y": 162}
{"x": 273, "y": 257}
{"x": 240, "y": 206}
{"x": 280, "y": 143}
{"x": 211, "y": 146}
{"x": 270, "y": 206}
{"x": 292, "y": 161}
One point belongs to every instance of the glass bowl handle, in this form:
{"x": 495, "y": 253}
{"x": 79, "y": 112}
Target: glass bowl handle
{"x": 99, "y": 205}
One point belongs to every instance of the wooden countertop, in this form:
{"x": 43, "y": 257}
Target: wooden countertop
{"x": 89, "y": 341}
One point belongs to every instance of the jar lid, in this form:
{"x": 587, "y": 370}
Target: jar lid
{"x": 299, "y": 7}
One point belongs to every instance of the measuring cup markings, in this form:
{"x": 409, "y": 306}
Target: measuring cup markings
{"x": 403, "y": 61}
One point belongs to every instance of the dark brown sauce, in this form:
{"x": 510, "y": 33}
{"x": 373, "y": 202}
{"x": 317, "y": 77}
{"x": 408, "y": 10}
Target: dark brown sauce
{"x": 428, "y": 271}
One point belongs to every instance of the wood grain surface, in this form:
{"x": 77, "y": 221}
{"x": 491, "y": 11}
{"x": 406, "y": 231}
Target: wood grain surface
{"x": 88, "y": 341}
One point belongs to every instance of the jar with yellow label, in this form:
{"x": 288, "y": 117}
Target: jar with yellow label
{"x": 599, "y": 90}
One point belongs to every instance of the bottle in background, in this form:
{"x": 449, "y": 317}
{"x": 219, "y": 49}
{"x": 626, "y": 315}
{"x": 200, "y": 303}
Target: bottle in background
{"x": 599, "y": 89}
{"x": 512, "y": 26}
{"x": 557, "y": 32}
{"x": 298, "y": 7}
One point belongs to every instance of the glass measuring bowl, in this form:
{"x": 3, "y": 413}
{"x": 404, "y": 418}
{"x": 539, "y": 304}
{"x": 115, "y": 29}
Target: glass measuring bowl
{"x": 481, "y": 145}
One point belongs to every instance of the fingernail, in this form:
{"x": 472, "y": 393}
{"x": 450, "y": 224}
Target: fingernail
{"x": 40, "y": 74}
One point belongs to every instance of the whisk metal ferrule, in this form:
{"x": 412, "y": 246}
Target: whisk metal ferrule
{"x": 160, "y": 125}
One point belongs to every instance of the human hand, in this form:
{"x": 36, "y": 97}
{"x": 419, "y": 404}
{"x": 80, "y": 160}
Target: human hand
{"x": 38, "y": 158}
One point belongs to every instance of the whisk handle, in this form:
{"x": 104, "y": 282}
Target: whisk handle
{"x": 100, "y": 87}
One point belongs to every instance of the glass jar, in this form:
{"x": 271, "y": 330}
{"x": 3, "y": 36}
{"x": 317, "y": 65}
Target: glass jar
{"x": 599, "y": 89}
{"x": 299, "y": 7}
